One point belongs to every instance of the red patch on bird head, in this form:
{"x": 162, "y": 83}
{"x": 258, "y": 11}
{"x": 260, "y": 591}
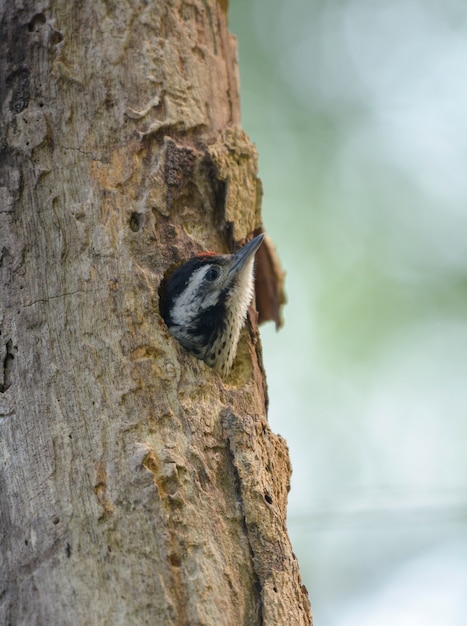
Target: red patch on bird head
{"x": 207, "y": 254}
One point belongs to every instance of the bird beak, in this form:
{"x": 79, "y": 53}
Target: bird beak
{"x": 244, "y": 255}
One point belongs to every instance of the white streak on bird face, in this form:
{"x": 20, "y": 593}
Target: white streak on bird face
{"x": 198, "y": 295}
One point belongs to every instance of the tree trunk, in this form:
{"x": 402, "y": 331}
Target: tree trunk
{"x": 136, "y": 485}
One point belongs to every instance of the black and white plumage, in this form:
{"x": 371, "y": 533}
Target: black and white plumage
{"x": 204, "y": 303}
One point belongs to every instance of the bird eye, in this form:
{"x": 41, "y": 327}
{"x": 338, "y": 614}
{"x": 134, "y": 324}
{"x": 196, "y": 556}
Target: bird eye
{"x": 212, "y": 274}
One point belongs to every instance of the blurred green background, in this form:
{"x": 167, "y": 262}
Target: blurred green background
{"x": 359, "y": 112}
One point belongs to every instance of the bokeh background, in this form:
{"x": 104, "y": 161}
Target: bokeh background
{"x": 359, "y": 112}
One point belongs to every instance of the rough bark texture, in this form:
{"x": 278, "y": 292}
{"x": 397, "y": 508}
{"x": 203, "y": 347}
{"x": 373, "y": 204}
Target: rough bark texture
{"x": 136, "y": 486}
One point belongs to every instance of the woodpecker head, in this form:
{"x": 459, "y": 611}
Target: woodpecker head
{"x": 204, "y": 303}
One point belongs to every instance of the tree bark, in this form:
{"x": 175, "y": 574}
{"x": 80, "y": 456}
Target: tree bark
{"x": 136, "y": 485}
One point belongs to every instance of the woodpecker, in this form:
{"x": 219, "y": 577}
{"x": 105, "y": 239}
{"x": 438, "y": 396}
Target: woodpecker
{"x": 204, "y": 303}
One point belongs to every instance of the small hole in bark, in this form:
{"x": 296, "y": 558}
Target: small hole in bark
{"x": 7, "y": 367}
{"x": 268, "y": 498}
{"x": 68, "y": 550}
{"x": 26, "y": 541}
{"x": 55, "y": 520}
{"x": 56, "y": 38}
{"x": 175, "y": 560}
{"x": 136, "y": 220}
{"x": 36, "y": 22}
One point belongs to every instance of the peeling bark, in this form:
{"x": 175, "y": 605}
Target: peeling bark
{"x": 136, "y": 486}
